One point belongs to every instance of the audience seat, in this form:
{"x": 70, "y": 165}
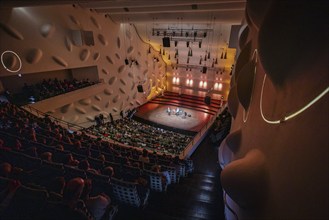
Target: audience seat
{"x": 25, "y": 204}
{"x": 155, "y": 181}
{"x": 72, "y": 172}
{"x": 127, "y": 193}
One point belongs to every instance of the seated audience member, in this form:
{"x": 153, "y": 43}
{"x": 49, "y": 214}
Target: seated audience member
{"x": 60, "y": 147}
{"x": 144, "y": 157}
{"x": 7, "y": 194}
{"x": 108, "y": 171}
{"x": 3, "y": 146}
{"x": 69, "y": 160}
{"x": 70, "y": 207}
{"x": 102, "y": 157}
{"x": 47, "y": 156}
{"x": 57, "y": 185}
{"x": 165, "y": 178}
{"x": 31, "y": 151}
{"x": 5, "y": 169}
{"x": 97, "y": 205}
{"x": 141, "y": 185}
{"x": 18, "y": 145}
{"x": 84, "y": 165}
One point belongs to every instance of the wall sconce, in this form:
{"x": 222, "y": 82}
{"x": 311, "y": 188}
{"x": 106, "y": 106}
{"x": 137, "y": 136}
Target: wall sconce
{"x": 220, "y": 86}
{"x": 204, "y": 84}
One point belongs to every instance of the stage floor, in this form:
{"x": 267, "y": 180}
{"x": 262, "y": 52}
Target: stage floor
{"x": 159, "y": 114}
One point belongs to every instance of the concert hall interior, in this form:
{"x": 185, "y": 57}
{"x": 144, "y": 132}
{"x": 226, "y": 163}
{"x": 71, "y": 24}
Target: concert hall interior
{"x": 169, "y": 110}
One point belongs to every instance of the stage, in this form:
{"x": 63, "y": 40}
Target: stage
{"x": 192, "y": 121}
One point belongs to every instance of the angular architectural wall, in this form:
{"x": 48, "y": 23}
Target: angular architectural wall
{"x": 275, "y": 160}
{"x": 49, "y": 38}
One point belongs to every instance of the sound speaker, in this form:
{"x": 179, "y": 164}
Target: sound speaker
{"x": 166, "y": 42}
{"x": 126, "y": 61}
{"x": 140, "y": 88}
{"x": 207, "y": 100}
{"x": 88, "y": 38}
{"x": 204, "y": 69}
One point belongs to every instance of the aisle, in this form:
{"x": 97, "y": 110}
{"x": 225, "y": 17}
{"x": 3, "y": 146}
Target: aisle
{"x": 196, "y": 197}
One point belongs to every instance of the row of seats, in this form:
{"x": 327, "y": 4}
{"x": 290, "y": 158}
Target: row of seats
{"x": 121, "y": 190}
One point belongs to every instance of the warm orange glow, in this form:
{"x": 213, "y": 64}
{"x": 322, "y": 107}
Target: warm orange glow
{"x": 220, "y": 86}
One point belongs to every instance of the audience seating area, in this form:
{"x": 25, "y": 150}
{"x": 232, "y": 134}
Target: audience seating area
{"x": 51, "y": 87}
{"x": 40, "y": 151}
{"x": 137, "y": 134}
{"x": 221, "y": 127}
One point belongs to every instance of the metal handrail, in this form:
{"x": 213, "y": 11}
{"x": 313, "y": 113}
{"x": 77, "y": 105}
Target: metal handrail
{"x": 39, "y": 113}
{"x": 202, "y": 131}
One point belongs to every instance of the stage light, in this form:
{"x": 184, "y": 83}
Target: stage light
{"x": 205, "y": 84}
{"x": 187, "y": 82}
{"x": 201, "y": 84}
{"x": 174, "y": 80}
{"x": 191, "y": 82}
{"x": 220, "y": 86}
{"x": 216, "y": 86}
